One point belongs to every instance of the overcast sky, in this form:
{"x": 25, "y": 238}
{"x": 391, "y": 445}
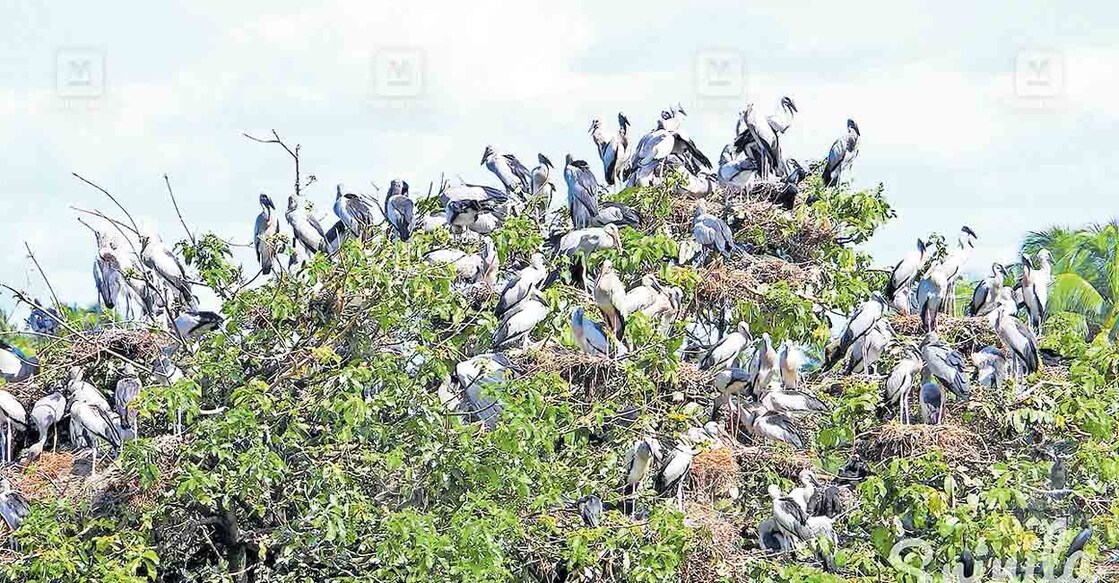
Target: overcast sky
{"x": 1003, "y": 117}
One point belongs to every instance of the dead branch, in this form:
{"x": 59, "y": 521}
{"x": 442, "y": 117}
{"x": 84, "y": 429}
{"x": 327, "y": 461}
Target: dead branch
{"x": 175, "y": 203}
{"x": 46, "y": 280}
{"x": 135, "y": 226}
{"x": 294, "y": 153}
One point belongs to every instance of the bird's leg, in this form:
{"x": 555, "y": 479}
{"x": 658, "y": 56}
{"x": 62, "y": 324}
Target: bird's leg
{"x": 93, "y": 464}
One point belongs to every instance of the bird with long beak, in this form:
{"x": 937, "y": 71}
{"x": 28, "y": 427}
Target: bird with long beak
{"x": 265, "y": 233}
{"x": 582, "y": 192}
{"x": 509, "y": 170}
{"x": 542, "y": 179}
{"x": 842, "y": 154}
{"x": 791, "y": 361}
{"x": 308, "y": 232}
{"x": 609, "y": 294}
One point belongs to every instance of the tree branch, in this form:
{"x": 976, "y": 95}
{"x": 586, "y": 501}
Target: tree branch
{"x": 30, "y": 254}
{"x": 175, "y": 203}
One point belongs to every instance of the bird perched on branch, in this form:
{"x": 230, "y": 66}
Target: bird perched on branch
{"x": 945, "y": 364}
{"x": 13, "y": 423}
{"x": 582, "y": 192}
{"x": 611, "y": 148}
{"x": 509, "y": 170}
{"x": 45, "y": 415}
{"x": 400, "y": 210}
{"x": 842, "y": 154}
{"x": 723, "y": 353}
{"x": 862, "y": 320}
{"x": 265, "y": 234}
{"x": 1036, "y": 278}
{"x": 159, "y": 258}
{"x": 984, "y": 298}
{"x": 308, "y": 232}
{"x": 711, "y": 233}
{"x": 609, "y": 294}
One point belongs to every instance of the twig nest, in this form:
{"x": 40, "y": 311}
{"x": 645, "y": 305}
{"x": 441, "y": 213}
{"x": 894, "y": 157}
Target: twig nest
{"x": 713, "y": 473}
{"x": 892, "y": 440}
{"x": 965, "y": 334}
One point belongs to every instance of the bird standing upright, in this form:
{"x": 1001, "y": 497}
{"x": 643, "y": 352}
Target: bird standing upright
{"x": 265, "y": 234}
{"x": 582, "y": 192}
{"x": 842, "y": 154}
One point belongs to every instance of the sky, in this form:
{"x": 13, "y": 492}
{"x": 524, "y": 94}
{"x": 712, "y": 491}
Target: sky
{"x": 1001, "y": 116}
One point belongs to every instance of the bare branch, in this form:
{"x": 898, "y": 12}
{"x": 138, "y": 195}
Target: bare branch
{"x": 175, "y": 203}
{"x": 46, "y": 280}
{"x": 135, "y": 227}
{"x": 294, "y": 153}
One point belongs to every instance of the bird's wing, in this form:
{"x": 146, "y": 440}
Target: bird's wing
{"x": 523, "y": 174}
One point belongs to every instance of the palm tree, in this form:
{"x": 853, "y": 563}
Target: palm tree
{"x": 1085, "y": 272}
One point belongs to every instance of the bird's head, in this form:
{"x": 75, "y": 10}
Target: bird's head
{"x": 338, "y": 192}
{"x": 577, "y": 318}
{"x": 615, "y": 235}
{"x": 1044, "y": 257}
{"x": 787, "y": 103}
{"x": 74, "y": 375}
{"x": 854, "y": 127}
{"x": 808, "y": 477}
{"x": 487, "y": 154}
{"x": 568, "y": 160}
{"x": 967, "y": 237}
{"x": 767, "y": 341}
{"x": 878, "y": 297}
{"x": 774, "y": 491}
{"x": 266, "y": 201}
{"x": 930, "y": 338}
{"x": 596, "y": 124}
{"x": 700, "y": 209}
{"x": 128, "y": 370}
{"x": 537, "y": 261}
{"x": 623, "y": 121}
{"x": 544, "y": 160}
{"x": 607, "y": 266}
{"x": 744, "y": 328}
{"x": 922, "y": 248}
{"x": 644, "y": 450}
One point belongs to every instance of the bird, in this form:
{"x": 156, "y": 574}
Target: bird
{"x": 756, "y": 140}
{"x": 508, "y": 169}
{"x": 791, "y": 401}
{"x": 517, "y": 325}
{"x": 157, "y": 257}
{"x": 127, "y": 389}
{"x": 478, "y": 267}
{"x": 806, "y": 490}
{"x": 825, "y": 502}
{"x": 354, "y": 212}
{"x": 582, "y": 192}
{"x": 44, "y": 320}
{"x": 789, "y": 516}
{"x": 932, "y": 293}
{"x": 13, "y": 506}
{"x": 590, "y": 509}
{"x": 586, "y": 241}
{"x": 400, "y": 210}
{"x": 45, "y": 414}
{"x": 13, "y": 421}
{"x": 475, "y": 377}
{"x": 986, "y": 293}
{"x": 770, "y": 537}
{"x": 542, "y": 179}
{"x": 520, "y": 286}
{"x": 15, "y": 366}
{"x": 265, "y": 234}
{"x": 867, "y": 350}
{"x": 637, "y": 462}
{"x": 953, "y": 263}
{"x": 671, "y": 475}
{"x": 711, "y": 232}
{"x": 81, "y": 391}
{"x": 723, "y": 353}
{"x": 615, "y": 213}
{"x": 904, "y": 273}
{"x": 652, "y": 299}
{"x": 479, "y": 216}
{"x": 655, "y": 148}
{"x": 1019, "y": 340}
{"x": 991, "y": 366}
{"x": 609, "y": 295}
{"x": 791, "y": 361}
{"x": 931, "y": 399}
{"x": 900, "y": 383}
{"x": 771, "y": 425}
{"x": 862, "y": 320}
{"x": 765, "y": 364}
{"x": 194, "y": 323}
{"x": 1036, "y": 276}
{"x": 842, "y": 154}
{"x": 592, "y": 338}
{"x": 945, "y": 364}
{"x": 306, "y": 228}
{"x": 89, "y": 423}
{"x": 611, "y": 148}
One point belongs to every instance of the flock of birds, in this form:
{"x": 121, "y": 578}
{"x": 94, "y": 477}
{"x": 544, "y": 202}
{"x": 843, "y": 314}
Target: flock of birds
{"x": 757, "y": 386}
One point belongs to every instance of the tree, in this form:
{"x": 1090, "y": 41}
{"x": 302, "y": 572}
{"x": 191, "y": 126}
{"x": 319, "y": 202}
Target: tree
{"x": 1085, "y": 272}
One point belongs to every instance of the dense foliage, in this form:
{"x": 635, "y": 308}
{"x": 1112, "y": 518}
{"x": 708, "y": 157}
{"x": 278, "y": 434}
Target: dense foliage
{"x": 319, "y": 447}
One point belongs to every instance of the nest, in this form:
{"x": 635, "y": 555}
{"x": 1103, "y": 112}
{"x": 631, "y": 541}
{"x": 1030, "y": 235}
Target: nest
{"x": 713, "y": 472}
{"x": 757, "y": 221}
{"x": 715, "y": 553}
{"x": 576, "y": 367}
{"x": 96, "y": 346}
{"x": 891, "y": 441}
{"x": 785, "y": 461}
{"x": 965, "y": 334}
{"x": 26, "y": 392}
{"x": 747, "y": 278}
